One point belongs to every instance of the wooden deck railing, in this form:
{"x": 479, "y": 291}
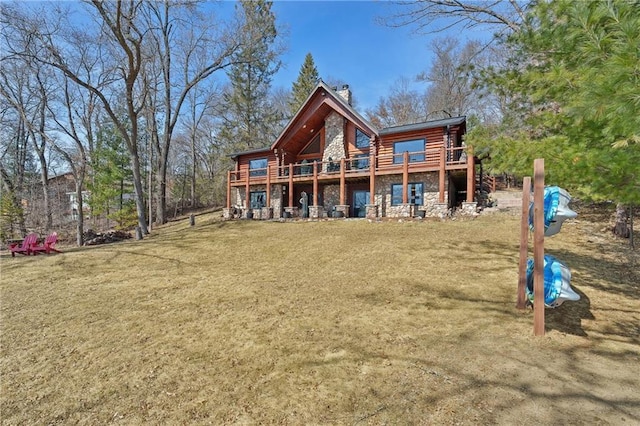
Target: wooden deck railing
{"x": 421, "y": 161}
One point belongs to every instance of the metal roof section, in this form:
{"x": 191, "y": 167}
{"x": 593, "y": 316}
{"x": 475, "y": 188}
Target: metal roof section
{"x": 252, "y": 151}
{"x": 453, "y": 121}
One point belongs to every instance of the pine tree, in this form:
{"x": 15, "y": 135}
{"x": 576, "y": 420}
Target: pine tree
{"x": 250, "y": 119}
{"x": 578, "y": 93}
{"x": 302, "y": 87}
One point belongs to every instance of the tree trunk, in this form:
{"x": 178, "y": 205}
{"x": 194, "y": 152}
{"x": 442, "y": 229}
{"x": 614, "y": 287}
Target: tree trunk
{"x": 161, "y": 179}
{"x": 137, "y": 184}
{"x": 80, "y": 223}
{"x": 621, "y": 227}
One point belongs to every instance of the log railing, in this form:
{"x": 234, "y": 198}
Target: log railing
{"x": 429, "y": 160}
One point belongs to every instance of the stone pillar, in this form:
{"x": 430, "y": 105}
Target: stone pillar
{"x": 316, "y": 212}
{"x": 371, "y": 211}
{"x": 293, "y": 211}
{"x": 344, "y": 208}
{"x": 227, "y": 213}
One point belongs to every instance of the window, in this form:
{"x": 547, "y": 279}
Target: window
{"x": 362, "y": 139}
{"x": 258, "y": 199}
{"x": 416, "y": 146}
{"x": 313, "y": 147}
{"x": 360, "y": 161}
{"x": 414, "y": 194}
{"x": 258, "y": 167}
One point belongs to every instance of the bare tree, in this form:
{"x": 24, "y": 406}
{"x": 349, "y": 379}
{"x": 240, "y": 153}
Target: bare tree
{"x": 403, "y": 106}
{"x": 188, "y": 49}
{"x": 434, "y": 16}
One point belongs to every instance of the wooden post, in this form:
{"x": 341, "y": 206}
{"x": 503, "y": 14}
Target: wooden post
{"x": 471, "y": 175}
{"x": 538, "y": 247}
{"x": 229, "y": 189}
{"x": 405, "y": 177}
{"x": 290, "y": 184}
{"x": 524, "y": 242}
{"x": 192, "y": 220}
{"x": 268, "y": 185}
{"x": 246, "y": 187}
{"x": 342, "y": 186}
{"x": 315, "y": 182}
{"x": 372, "y": 178}
{"x": 443, "y": 171}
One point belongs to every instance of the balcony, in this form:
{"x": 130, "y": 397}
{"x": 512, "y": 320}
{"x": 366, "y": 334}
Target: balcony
{"x": 408, "y": 162}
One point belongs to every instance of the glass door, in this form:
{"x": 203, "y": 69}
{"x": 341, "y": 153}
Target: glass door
{"x": 360, "y": 200}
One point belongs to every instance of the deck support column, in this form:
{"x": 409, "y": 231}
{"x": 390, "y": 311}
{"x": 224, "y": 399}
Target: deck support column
{"x": 315, "y": 182}
{"x": 268, "y": 185}
{"x": 471, "y": 175}
{"x": 229, "y": 189}
{"x": 443, "y": 172}
{"x": 290, "y": 184}
{"x": 372, "y": 178}
{"x": 247, "y": 195}
{"x": 342, "y": 180}
{"x": 405, "y": 178}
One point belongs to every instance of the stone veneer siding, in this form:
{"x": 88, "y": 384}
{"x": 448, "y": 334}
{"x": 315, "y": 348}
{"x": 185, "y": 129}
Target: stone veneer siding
{"x": 238, "y": 197}
{"x": 334, "y": 139}
{"x": 330, "y": 197}
{"x": 430, "y": 195}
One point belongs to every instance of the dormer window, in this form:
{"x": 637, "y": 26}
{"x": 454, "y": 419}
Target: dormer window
{"x": 362, "y": 139}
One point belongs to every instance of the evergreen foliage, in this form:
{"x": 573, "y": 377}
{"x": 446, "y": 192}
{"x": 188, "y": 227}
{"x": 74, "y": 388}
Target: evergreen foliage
{"x": 574, "y": 86}
{"x": 112, "y": 175}
{"x": 250, "y": 120}
{"x": 302, "y": 87}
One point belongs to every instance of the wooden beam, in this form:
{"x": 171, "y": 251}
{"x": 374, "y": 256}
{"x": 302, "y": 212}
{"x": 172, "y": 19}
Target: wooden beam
{"x": 524, "y": 243}
{"x": 342, "y": 185}
{"x": 405, "y": 178}
{"x": 268, "y": 185}
{"x": 538, "y": 247}
{"x": 471, "y": 175}
{"x": 290, "y": 184}
{"x": 442, "y": 175}
{"x": 315, "y": 182}
{"x": 229, "y": 189}
{"x": 372, "y": 177}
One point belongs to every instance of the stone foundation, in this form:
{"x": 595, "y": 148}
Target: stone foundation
{"x": 371, "y": 211}
{"x": 316, "y": 212}
{"x": 469, "y": 209}
{"x": 266, "y": 213}
{"x": 440, "y": 210}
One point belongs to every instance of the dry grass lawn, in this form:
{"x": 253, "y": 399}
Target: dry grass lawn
{"x": 339, "y": 322}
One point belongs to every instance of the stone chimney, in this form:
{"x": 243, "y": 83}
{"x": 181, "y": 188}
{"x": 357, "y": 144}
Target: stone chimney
{"x": 345, "y": 93}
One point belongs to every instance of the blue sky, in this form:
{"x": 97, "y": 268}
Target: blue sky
{"x": 348, "y": 44}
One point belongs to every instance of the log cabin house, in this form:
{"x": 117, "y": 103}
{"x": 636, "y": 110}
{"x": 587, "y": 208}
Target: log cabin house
{"x": 329, "y": 161}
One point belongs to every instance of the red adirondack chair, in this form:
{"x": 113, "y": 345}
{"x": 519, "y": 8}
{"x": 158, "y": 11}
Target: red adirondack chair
{"x": 26, "y": 247}
{"x": 47, "y": 246}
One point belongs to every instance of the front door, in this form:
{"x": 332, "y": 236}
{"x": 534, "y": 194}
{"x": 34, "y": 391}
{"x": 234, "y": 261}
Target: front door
{"x": 360, "y": 200}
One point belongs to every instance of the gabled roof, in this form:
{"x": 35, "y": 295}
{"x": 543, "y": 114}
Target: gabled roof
{"x": 310, "y": 117}
{"x": 453, "y": 121}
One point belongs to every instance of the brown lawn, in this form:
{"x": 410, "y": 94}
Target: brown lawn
{"x": 340, "y": 322}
